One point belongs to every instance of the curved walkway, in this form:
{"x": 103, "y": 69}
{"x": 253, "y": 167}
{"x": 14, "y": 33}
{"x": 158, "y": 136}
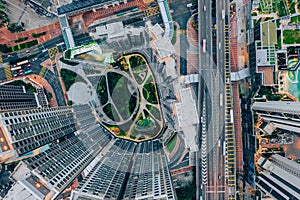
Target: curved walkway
{"x": 192, "y": 35}
{"x": 47, "y": 86}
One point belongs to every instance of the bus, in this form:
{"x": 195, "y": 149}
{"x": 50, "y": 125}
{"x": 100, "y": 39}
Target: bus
{"x": 121, "y": 13}
{"x": 135, "y": 9}
{"x": 231, "y": 116}
{"x": 221, "y": 99}
{"x": 203, "y": 45}
{"x": 15, "y": 68}
{"x": 224, "y": 148}
{"x": 24, "y": 62}
{"x": 28, "y": 72}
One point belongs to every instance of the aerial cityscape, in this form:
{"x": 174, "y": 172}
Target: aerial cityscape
{"x": 149, "y": 99}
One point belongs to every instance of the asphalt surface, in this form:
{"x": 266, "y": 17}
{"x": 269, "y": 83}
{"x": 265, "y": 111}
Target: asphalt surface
{"x": 212, "y": 89}
{"x": 181, "y": 15}
{"x": 52, "y": 78}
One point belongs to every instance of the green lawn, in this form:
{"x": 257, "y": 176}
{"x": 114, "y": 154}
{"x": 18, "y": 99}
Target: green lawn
{"x": 70, "y": 77}
{"x": 279, "y": 42}
{"x": 291, "y": 36}
{"x": 172, "y": 144}
{"x": 295, "y": 19}
{"x": 174, "y": 35}
{"x": 149, "y": 91}
{"x": 282, "y": 8}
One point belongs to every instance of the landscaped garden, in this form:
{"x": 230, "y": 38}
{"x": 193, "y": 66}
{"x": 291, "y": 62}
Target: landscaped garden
{"x": 291, "y": 36}
{"x": 129, "y": 100}
{"x": 70, "y": 77}
{"x": 149, "y": 91}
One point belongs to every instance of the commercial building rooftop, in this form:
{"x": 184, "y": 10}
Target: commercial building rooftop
{"x": 79, "y": 5}
{"x": 278, "y": 106}
{"x": 186, "y": 110}
{"x": 157, "y": 31}
{"x": 164, "y": 47}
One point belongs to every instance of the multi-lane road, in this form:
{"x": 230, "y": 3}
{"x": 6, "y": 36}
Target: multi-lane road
{"x": 52, "y": 78}
{"x": 211, "y": 92}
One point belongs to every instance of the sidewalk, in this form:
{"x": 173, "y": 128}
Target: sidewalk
{"x": 47, "y": 86}
{"x": 192, "y": 34}
{"x": 8, "y": 38}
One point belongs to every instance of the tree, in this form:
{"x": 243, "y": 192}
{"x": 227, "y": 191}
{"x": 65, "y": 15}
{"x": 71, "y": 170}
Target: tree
{"x": 49, "y": 95}
{"x": 69, "y": 103}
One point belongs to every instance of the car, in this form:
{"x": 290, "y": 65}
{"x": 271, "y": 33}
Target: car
{"x": 204, "y": 8}
{"x": 219, "y": 176}
{"x": 28, "y": 51}
{"x": 9, "y": 55}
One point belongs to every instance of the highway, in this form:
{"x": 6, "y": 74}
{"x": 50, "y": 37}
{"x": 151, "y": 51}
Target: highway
{"x": 211, "y": 91}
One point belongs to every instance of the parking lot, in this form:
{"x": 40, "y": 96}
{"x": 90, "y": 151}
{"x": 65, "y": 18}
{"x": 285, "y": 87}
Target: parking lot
{"x": 18, "y": 12}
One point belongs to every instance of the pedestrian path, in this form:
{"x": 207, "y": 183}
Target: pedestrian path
{"x": 42, "y": 72}
{"x": 148, "y": 1}
{"x": 7, "y": 72}
{"x": 152, "y": 11}
{"x": 53, "y": 51}
{"x": 183, "y": 31}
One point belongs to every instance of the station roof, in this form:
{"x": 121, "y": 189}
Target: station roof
{"x": 79, "y": 5}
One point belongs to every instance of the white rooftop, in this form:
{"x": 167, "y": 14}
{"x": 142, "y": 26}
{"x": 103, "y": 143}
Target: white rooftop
{"x": 186, "y": 110}
{"x": 191, "y": 78}
{"x": 112, "y": 30}
{"x": 236, "y": 76}
{"x": 278, "y": 106}
{"x": 170, "y": 68}
{"x": 115, "y": 30}
{"x": 164, "y": 47}
{"x": 20, "y": 189}
{"x": 101, "y": 30}
{"x": 20, "y": 171}
{"x": 157, "y": 31}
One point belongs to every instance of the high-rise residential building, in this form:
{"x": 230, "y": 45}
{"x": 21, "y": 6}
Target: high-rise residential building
{"x": 109, "y": 168}
{"x": 26, "y": 130}
{"x": 279, "y": 177}
{"x": 128, "y": 171}
{"x": 51, "y": 171}
{"x": 282, "y": 114}
{"x": 15, "y": 97}
{"x": 150, "y": 177}
{"x": 107, "y": 179}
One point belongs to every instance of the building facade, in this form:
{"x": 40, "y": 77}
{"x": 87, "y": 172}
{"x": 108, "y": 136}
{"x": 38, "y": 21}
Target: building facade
{"x": 16, "y": 97}
{"x": 283, "y": 115}
{"x": 279, "y": 177}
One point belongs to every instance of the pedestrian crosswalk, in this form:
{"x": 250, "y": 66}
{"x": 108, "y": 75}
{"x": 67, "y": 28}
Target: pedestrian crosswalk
{"x": 42, "y": 72}
{"x": 183, "y": 31}
{"x": 53, "y": 51}
{"x": 7, "y": 73}
{"x": 152, "y": 11}
{"x": 148, "y": 1}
